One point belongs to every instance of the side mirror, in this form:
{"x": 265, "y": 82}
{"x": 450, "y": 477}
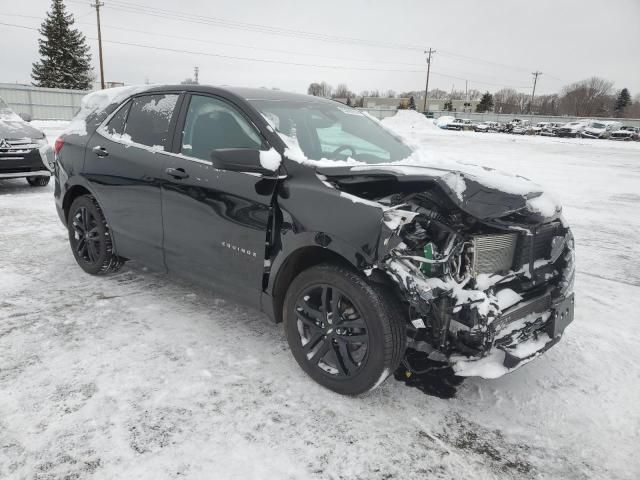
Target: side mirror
{"x": 25, "y": 116}
{"x": 240, "y": 160}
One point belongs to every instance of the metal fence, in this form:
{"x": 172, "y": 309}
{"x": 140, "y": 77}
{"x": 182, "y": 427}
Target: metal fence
{"x": 42, "y": 103}
{"x": 381, "y": 113}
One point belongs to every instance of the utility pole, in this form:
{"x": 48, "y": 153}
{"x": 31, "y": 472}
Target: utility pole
{"x": 426, "y": 87}
{"x": 196, "y": 70}
{"x": 97, "y": 6}
{"x": 535, "y": 80}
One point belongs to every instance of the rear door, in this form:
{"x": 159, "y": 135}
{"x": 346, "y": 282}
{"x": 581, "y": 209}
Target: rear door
{"x": 124, "y": 164}
{"x": 215, "y": 221}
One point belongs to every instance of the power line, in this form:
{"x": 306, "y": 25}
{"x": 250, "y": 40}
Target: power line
{"x": 282, "y": 62}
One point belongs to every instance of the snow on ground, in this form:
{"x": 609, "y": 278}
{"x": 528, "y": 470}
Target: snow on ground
{"x": 137, "y": 375}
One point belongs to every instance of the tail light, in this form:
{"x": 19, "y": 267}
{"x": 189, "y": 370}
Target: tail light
{"x": 57, "y": 146}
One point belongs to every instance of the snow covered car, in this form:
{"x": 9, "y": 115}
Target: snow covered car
{"x": 626, "y": 133}
{"x": 319, "y": 216}
{"x": 550, "y": 128}
{"x": 24, "y": 151}
{"x": 522, "y": 128}
{"x": 485, "y": 127}
{"x": 599, "y": 129}
{"x": 571, "y": 129}
{"x": 538, "y": 128}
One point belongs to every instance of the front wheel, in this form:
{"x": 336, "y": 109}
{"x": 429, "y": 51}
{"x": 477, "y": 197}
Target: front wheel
{"x": 38, "y": 181}
{"x": 90, "y": 237}
{"x": 345, "y": 333}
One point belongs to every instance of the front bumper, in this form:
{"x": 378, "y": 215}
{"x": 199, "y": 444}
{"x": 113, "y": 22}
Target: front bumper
{"x": 26, "y": 160}
{"x": 522, "y": 334}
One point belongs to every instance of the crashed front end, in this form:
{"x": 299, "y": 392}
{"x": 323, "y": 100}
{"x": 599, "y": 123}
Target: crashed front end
{"x": 488, "y": 279}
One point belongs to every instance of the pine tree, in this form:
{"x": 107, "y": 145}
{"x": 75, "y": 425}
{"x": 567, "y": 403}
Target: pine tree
{"x": 412, "y": 103}
{"x": 65, "y": 61}
{"x": 486, "y": 103}
{"x": 623, "y": 101}
{"x": 348, "y": 101}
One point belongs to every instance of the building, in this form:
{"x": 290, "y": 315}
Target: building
{"x": 383, "y": 102}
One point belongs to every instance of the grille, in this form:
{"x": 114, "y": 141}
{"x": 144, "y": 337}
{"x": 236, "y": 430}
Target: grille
{"x": 15, "y": 149}
{"x": 493, "y": 253}
{"x": 537, "y": 305}
{"x": 540, "y": 244}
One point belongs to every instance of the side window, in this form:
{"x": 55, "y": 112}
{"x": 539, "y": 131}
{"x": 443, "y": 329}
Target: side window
{"x": 212, "y": 124}
{"x": 116, "y": 124}
{"x": 149, "y": 118}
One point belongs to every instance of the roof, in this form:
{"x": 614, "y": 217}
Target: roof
{"x": 248, "y": 93}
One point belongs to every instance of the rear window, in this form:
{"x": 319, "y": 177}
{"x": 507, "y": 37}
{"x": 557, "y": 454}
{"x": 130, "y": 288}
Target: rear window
{"x": 149, "y": 118}
{"x": 116, "y": 124}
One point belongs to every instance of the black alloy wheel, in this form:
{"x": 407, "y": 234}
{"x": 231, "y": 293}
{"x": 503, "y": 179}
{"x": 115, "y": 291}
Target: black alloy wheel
{"x": 90, "y": 238}
{"x": 346, "y": 333}
{"x": 332, "y": 331}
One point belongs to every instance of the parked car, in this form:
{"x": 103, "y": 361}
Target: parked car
{"x": 571, "y": 129}
{"x": 521, "y": 128}
{"x": 538, "y": 128}
{"x": 485, "y": 127}
{"x": 460, "y": 124}
{"x": 248, "y": 191}
{"x": 24, "y": 150}
{"x": 626, "y": 133}
{"x": 550, "y": 129}
{"x": 600, "y": 129}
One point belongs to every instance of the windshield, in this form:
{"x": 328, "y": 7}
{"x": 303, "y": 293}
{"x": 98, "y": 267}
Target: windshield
{"x": 324, "y": 130}
{"x": 597, "y": 125}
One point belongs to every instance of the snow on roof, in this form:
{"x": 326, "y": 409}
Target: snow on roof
{"x": 97, "y": 101}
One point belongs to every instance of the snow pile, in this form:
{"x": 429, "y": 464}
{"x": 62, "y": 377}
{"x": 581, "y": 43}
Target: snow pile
{"x": 97, "y": 101}
{"x": 407, "y": 120}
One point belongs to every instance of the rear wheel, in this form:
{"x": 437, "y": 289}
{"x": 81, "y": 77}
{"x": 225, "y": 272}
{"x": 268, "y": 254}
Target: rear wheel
{"x": 40, "y": 181}
{"x": 90, "y": 237}
{"x": 345, "y": 333}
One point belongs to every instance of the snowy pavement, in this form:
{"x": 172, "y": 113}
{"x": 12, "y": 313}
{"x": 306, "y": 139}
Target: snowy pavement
{"x": 141, "y": 376}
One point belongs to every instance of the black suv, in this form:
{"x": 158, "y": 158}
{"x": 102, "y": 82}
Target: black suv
{"x": 316, "y": 214}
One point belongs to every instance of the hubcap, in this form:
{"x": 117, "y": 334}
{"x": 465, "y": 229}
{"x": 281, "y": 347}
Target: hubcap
{"x": 332, "y": 331}
{"x": 86, "y": 236}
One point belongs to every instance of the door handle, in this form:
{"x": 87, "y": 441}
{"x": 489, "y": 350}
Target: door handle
{"x": 177, "y": 173}
{"x": 100, "y": 151}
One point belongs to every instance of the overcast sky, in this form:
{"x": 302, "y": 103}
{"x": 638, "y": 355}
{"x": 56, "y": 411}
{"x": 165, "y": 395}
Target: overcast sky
{"x": 366, "y": 44}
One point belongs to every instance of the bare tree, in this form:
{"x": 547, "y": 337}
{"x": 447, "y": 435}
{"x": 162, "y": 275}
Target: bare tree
{"x": 587, "y": 98}
{"x": 375, "y": 93}
{"x": 390, "y": 93}
{"x": 325, "y": 89}
{"x": 341, "y": 91}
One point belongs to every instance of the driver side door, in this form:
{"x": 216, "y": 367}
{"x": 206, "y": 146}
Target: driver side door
{"x": 215, "y": 221}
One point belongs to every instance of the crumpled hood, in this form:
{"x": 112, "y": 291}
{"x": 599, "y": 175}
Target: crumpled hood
{"x": 479, "y": 191}
{"x": 13, "y": 127}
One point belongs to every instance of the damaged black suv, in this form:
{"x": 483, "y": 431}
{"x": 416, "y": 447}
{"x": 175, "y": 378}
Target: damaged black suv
{"x": 319, "y": 216}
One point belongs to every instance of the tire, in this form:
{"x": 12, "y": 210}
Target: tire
{"x": 356, "y": 353}
{"x": 38, "y": 181}
{"x": 90, "y": 237}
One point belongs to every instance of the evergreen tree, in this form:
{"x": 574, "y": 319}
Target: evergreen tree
{"x": 486, "y": 103}
{"x": 412, "y": 103}
{"x": 348, "y": 101}
{"x": 623, "y": 101}
{"x": 65, "y": 61}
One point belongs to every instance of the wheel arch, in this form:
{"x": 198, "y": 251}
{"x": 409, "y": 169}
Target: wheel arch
{"x": 70, "y": 195}
{"x": 303, "y": 258}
